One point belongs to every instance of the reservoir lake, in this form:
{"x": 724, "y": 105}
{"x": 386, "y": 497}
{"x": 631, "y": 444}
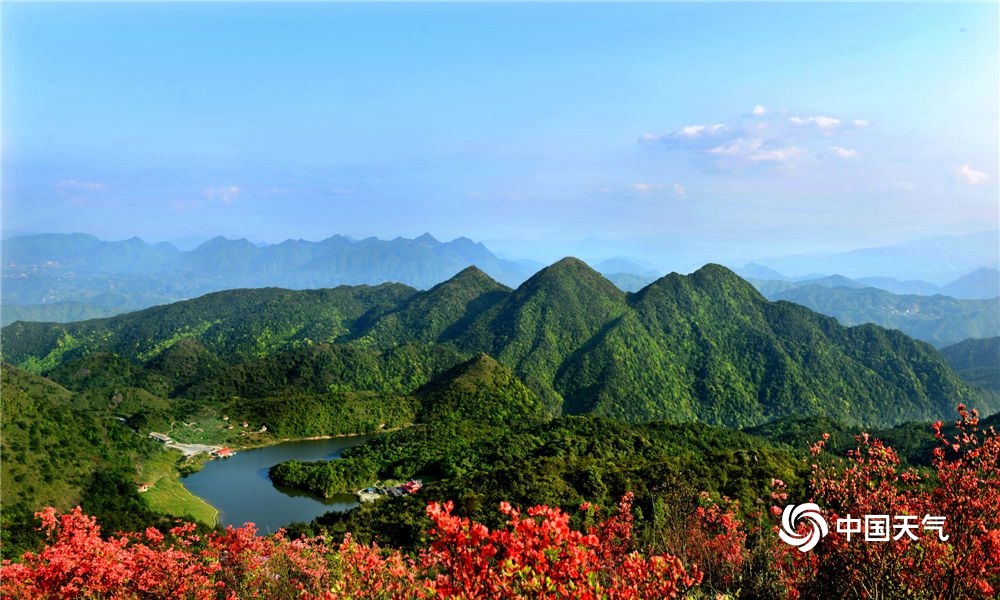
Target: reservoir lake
{"x": 242, "y": 492}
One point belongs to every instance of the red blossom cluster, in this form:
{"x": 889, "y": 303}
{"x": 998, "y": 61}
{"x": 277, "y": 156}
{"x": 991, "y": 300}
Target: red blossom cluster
{"x": 962, "y": 560}
{"x": 537, "y": 555}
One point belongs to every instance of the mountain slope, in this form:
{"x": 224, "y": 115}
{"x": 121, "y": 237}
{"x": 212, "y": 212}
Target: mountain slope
{"x": 238, "y": 323}
{"x": 537, "y": 327}
{"x": 981, "y": 283}
{"x": 427, "y": 316}
{"x": 480, "y": 391}
{"x": 977, "y": 361}
{"x": 709, "y": 347}
{"x": 940, "y": 320}
{"x": 704, "y": 347}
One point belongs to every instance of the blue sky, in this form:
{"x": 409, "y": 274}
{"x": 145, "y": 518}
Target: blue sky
{"x": 671, "y": 132}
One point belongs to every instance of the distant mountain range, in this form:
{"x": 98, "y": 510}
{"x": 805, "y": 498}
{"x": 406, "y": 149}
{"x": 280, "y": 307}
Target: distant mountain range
{"x": 932, "y": 316}
{"x": 704, "y": 347}
{"x": 60, "y": 277}
{"x": 938, "y": 260}
{"x": 981, "y": 284}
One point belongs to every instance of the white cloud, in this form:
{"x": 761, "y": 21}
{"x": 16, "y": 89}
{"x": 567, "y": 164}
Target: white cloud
{"x": 688, "y": 132}
{"x": 694, "y": 131}
{"x": 821, "y": 121}
{"x": 224, "y": 194}
{"x": 838, "y": 152}
{"x": 756, "y": 151}
{"x": 643, "y": 188}
{"x": 970, "y": 175}
{"x": 87, "y": 186}
{"x": 764, "y": 137}
{"x": 777, "y": 155}
{"x": 738, "y": 147}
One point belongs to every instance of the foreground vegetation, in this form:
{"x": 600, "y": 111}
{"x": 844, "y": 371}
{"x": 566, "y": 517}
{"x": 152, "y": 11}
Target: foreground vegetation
{"x": 705, "y": 550}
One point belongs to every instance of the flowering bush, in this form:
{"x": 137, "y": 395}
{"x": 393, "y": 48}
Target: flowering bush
{"x": 962, "y": 560}
{"x": 537, "y": 555}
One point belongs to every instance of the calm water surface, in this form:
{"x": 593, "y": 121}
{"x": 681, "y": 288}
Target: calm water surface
{"x": 240, "y": 488}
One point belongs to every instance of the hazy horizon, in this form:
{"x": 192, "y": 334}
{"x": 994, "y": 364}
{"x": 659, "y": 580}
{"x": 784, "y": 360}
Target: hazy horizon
{"x": 673, "y": 133}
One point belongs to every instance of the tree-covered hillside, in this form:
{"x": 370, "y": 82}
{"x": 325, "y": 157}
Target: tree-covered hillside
{"x": 940, "y": 320}
{"x": 703, "y": 347}
{"x": 977, "y": 361}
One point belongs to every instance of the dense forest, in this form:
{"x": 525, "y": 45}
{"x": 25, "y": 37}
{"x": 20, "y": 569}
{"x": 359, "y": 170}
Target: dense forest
{"x": 705, "y": 347}
{"x": 563, "y": 390}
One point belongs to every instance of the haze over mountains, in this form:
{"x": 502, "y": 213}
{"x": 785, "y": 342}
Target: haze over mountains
{"x": 938, "y": 260}
{"x": 79, "y": 276}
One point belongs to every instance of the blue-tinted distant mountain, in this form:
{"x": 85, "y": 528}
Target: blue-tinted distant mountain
{"x": 891, "y": 284}
{"x": 624, "y": 264}
{"x": 50, "y": 269}
{"x": 772, "y": 287}
{"x": 938, "y": 319}
{"x": 981, "y": 283}
{"x": 629, "y": 282}
{"x": 754, "y": 271}
{"x": 628, "y": 274}
{"x": 938, "y": 260}
{"x": 82, "y": 253}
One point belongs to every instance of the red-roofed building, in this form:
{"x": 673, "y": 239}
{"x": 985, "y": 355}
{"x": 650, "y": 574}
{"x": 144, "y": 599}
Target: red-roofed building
{"x": 223, "y": 452}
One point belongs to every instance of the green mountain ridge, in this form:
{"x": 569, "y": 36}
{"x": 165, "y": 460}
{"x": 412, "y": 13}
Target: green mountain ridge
{"x": 702, "y": 347}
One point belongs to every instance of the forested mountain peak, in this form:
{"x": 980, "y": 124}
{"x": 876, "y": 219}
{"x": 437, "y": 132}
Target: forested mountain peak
{"x": 569, "y": 275}
{"x": 481, "y": 391}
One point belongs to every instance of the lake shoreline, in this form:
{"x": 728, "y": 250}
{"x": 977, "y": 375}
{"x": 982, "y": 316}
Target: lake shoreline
{"x": 241, "y": 491}
{"x": 318, "y": 437}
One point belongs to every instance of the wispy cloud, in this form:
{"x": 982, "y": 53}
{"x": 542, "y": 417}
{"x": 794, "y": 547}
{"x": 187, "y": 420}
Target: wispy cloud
{"x": 821, "y": 121}
{"x": 226, "y": 194}
{"x": 757, "y": 151}
{"x": 762, "y": 137}
{"x": 838, "y": 152}
{"x": 687, "y": 132}
{"x": 86, "y": 186}
{"x": 970, "y": 175}
{"x": 643, "y": 188}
